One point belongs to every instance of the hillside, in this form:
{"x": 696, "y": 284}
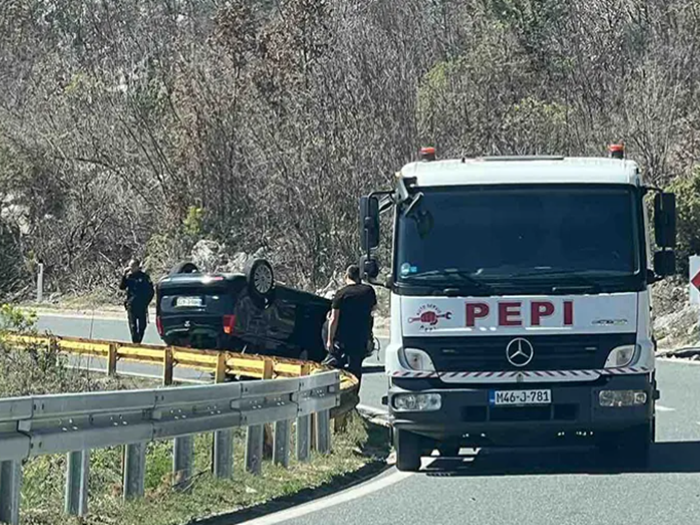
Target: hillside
{"x": 142, "y": 127}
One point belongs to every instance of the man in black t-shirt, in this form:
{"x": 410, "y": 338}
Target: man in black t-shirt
{"x": 350, "y": 324}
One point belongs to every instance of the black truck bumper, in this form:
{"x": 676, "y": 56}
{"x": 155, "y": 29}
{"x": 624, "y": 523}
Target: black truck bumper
{"x": 467, "y": 416}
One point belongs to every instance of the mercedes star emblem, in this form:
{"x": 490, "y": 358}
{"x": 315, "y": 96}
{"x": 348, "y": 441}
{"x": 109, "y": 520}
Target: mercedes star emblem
{"x": 520, "y": 352}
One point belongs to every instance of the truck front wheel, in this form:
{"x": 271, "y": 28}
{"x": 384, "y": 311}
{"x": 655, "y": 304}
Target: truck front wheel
{"x": 408, "y": 450}
{"x": 631, "y": 447}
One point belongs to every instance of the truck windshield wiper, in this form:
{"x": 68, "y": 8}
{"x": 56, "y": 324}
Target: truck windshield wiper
{"x": 585, "y": 278}
{"x": 558, "y": 272}
{"x": 446, "y": 273}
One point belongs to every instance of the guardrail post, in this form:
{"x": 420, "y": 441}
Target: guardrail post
{"x": 112, "y": 359}
{"x": 40, "y": 284}
{"x": 77, "y": 473}
{"x": 10, "y": 482}
{"x": 268, "y": 434}
{"x": 323, "y": 431}
{"x": 223, "y": 439}
{"x": 183, "y": 459}
{"x": 223, "y": 454}
{"x": 134, "y": 470}
{"x": 312, "y": 435}
{"x": 303, "y": 444}
{"x": 254, "y": 449}
{"x": 280, "y": 449}
{"x": 303, "y": 438}
{"x": 168, "y": 363}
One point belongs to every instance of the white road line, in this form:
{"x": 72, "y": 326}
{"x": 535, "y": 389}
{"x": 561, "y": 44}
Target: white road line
{"x": 373, "y": 410}
{"x": 662, "y": 408}
{"x": 332, "y": 501}
{"x": 678, "y": 360}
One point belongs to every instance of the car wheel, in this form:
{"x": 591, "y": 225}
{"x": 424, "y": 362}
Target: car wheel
{"x": 184, "y": 267}
{"x": 261, "y": 279}
{"x": 408, "y": 450}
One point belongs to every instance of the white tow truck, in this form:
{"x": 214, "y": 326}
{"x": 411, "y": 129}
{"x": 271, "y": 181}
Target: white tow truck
{"x": 520, "y": 302}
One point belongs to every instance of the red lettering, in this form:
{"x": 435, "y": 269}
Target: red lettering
{"x": 476, "y": 311}
{"x": 509, "y": 314}
{"x": 540, "y": 309}
{"x": 568, "y": 313}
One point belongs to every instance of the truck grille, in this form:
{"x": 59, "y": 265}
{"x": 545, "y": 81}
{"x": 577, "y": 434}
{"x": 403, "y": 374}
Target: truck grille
{"x": 488, "y": 354}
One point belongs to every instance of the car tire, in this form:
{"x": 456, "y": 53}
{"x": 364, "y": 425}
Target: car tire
{"x": 408, "y": 450}
{"x": 259, "y": 274}
{"x": 184, "y": 267}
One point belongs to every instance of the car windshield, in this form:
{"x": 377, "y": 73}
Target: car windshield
{"x": 504, "y": 233}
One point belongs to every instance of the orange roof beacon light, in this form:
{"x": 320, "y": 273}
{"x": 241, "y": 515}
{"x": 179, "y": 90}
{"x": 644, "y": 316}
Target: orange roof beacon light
{"x": 617, "y": 151}
{"x": 427, "y": 153}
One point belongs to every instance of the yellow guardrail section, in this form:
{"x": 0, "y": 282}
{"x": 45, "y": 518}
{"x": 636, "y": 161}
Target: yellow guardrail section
{"x": 219, "y": 363}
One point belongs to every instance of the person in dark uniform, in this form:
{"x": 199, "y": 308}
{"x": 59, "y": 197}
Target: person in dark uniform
{"x": 139, "y": 294}
{"x": 350, "y": 324}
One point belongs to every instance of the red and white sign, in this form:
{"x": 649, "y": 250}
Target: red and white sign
{"x": 519, "y": 315}
{"x": 695, "y": 279}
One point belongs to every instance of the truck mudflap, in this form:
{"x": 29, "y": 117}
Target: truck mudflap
{"x": 468, "y": 413}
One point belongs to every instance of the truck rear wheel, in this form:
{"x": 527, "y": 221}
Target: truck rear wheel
{"x": 408, "y": 450}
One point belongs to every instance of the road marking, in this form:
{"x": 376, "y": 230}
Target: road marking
{"x": 332, "y": 501}
{"x": 373, "y": 410}
{"x": 662, "y": 408}
{"x": 678, "y": 360}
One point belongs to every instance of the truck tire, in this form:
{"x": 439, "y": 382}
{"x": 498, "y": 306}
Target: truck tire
{"x": 408, "y": 450}
{"x": 630, "y": 447}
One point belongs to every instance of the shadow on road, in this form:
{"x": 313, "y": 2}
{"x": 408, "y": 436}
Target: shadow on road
{"x": 666, "y": 457}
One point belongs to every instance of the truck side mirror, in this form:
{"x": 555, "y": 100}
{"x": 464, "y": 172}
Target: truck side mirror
{"x": 665, "y": 263}
{"x": 369, "y": 223}
{"x": 665, "y": 220}
{"x": 369, "y": 267}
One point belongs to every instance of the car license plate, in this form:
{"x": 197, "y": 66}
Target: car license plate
{"x": 184, "y": 302}
{"x": 520, "y": 397}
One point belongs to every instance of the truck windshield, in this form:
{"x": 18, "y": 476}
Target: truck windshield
{"x": 485, "y": 235}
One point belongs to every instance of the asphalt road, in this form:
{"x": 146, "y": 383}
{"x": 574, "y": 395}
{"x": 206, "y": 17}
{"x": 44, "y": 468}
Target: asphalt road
{"x": 537, "y": 487}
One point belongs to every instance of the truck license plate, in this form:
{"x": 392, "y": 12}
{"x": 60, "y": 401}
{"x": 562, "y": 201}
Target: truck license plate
{"x": 520, "y": 397}
{"x": 188, "y": 302}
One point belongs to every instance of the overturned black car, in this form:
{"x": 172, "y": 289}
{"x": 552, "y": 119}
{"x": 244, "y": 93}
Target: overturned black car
{"x": 244, "y": 312}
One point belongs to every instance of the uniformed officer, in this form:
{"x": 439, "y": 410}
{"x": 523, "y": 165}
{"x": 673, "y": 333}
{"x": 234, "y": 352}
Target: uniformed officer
{"x": 139, "y": 294}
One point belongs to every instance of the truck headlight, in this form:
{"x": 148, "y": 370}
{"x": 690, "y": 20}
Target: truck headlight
{"x": 622, "y": 398}
{"x": 621, "y": 356}
{"x": 417, "y": 360}
{"x": 417, "y": 402}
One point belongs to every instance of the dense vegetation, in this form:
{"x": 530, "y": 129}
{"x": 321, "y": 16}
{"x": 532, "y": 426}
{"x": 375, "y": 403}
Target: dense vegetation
{"x": 143, "y": 126}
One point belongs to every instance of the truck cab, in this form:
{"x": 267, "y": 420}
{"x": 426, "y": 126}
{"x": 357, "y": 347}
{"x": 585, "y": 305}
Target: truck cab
{"x": 520, "y": 302}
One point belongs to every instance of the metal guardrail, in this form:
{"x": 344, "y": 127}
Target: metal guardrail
{"x": 76, "y": 423}
{"x": 220, "y": 363}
